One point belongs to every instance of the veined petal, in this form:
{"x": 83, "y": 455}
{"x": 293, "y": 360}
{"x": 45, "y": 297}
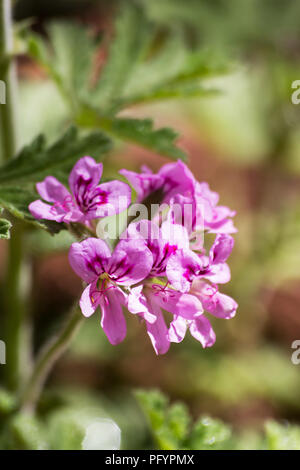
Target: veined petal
{"x": 130, "y": 263}
{"x": 213, "y": 301}
{"x": 202, "y": 331}
{"x": 108, "y": 199}
{"x": 52, "y": 190}
{"x": 42, "y": 210}
{"x": 178, "y": 178}
{"x": 181, "y": 269}
{"x": 149, "y": 232}
{"x": 112, "y": 320}
{"x": 89, "y": 258}
{"x": 221, "y": 249}
{"x": 221, "y": 306}
{"x": 184, "y": 211}
{"x": 86, "y": 173}
{"x": 144, "y": 183}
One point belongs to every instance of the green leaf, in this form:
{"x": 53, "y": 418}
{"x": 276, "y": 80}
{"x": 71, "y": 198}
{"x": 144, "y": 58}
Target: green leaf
{"x": 69, "y": 62}
{"x": 209, "y": 433}
{"x": 37, "y": 161}
{"x": 173, "y": 429}
{"x": 170, "y": 424}
{"x": 282, "y": 437}
{"x": 26, "y": 433}
{"x": 179, "y": 421}
{"x": 135, "y": 131}
{"x": 171, "y": 91}
{"x": 186, "y": 75}
{"x": 131, "y": 42}
{"x": 5, "y": 227}
{"x": 135, "y": 71}
{"x": 154, "y": 404}
{"x": 16, "y": 201}
{"x": 73, "y": 48}
{"x": 152, "y": 73}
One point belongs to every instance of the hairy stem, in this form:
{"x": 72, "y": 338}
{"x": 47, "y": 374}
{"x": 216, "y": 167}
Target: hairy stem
{"x": 12, "y": 297}
{"x": 47, "y": 358}
{"x": 8, "y": 111}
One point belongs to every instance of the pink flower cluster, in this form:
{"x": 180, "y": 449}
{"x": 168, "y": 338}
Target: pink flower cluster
{"x": 156, "y": 271}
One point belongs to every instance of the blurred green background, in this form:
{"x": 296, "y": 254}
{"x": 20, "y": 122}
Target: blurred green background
{"x": 245, "y": 141}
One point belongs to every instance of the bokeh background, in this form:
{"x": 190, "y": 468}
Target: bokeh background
{"x": 245, "y": 142}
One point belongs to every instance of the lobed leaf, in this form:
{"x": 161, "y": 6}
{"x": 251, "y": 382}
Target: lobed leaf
{"x": 136, "y": 131}
{"x": 37, "y": 160}
{"x": 132, "y": 38}
{"x": 5, "y": 227}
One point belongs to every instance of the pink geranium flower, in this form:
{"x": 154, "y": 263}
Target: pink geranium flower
{"x": 179, "y": 187}
{"x": 172, "y": 178}
{"x": 186, "y": 265}
{"x": 107, "y": 274}
{"x": 162, "y": 241}
{"x": 87, "y": 199}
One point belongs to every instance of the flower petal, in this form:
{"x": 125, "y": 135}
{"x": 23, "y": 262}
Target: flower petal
{"x": 130, "y": 263}
{"x": 175, "y": 235}
{"x": 51, "y": 190}
{"x": 88, "y": 307}
{"x": 221, "y": 248}
{"x": 112, "y": 320}
{"x": 138, "y": 304}
{"x": 144, "y": 183}
{"x": 41, "y": 210}
{"x": 158, "y": 331}
{"x": 89, "y": 258}
{"x": 182, "y": 268}
{"x": 203, "y": 190}
{"x": 108, "y": 199}
{"x": 202, "y": 331}
{"x": 86, "y": 173}
{"x": 219, "y": 273}
{"x": 177, "y": 329}
{"x": 184, "y": 305}
{"x": 213, "y": 301}
{"x": 221, "y": 306}
{"x": 225, "y": 226}
{"x": 178, "y": 178}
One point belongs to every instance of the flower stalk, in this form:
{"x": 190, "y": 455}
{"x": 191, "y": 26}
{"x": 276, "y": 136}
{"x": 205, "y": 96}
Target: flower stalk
{"x": 9, "y": 144}
{"x": 8, "y": 121}
{"x": 50, "y": 353}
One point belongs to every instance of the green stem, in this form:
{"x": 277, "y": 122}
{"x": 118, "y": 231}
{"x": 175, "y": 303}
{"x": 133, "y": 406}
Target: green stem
{"x": 8, "y": 111}
{"x": 13, "y": 302}
{"x": 46, "y": 359}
